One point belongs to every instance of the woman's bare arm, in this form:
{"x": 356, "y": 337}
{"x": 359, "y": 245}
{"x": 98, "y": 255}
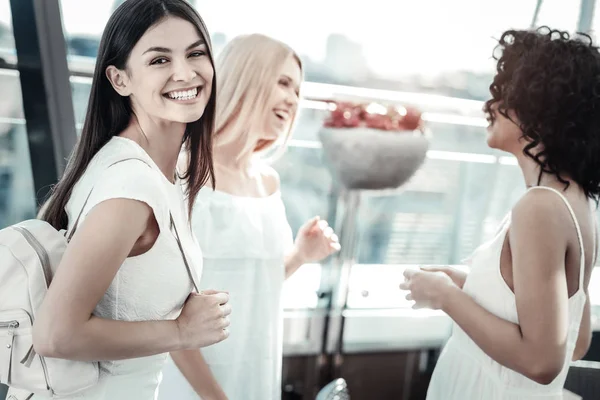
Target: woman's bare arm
{"x": 64, "y": 326}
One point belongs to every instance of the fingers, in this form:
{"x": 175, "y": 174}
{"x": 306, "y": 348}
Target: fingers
{"x": 225, "y": 310}
{"x": 220, "y": 298}
{"x": 225, "y": 333}
{"x": 224, "y": 322}
{"x": 221, "y": 335}
{"x": 317, "y": 226}
{"x": 409, "y": 273}
{"x": 331, "y": 237}
{"x": 405, "y": 286}
{"x": 310, "y": 224}
{"x": 323, "y": 224}
{"x": 223, "y": 325}
{"x": 433, "y": 269}
{"x": 210, "y": 292}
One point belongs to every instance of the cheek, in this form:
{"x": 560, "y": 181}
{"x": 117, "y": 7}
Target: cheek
{"x": 280, "y": 94}
{"x": 205, "y": 70}
{"x": 504, "y": 135}
{"x": 148, "y": 98}
{"x": 508, "y": 131}
{"x": 290, "y": 121}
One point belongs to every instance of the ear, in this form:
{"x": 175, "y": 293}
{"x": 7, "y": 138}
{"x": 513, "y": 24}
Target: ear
{"x": 119, "y": 80}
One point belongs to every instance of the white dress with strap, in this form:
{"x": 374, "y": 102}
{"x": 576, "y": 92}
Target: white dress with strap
{"x": 464, "y": 371}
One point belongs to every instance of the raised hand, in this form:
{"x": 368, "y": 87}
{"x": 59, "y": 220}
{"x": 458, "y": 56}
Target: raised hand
{"x": 316, "y": 241}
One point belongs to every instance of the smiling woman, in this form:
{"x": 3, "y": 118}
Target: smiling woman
{"x": 180, "y": 72}
{"x": 242, "y": 226}
{"x": 122, "y": 289}
{"x": 196, "y": 50}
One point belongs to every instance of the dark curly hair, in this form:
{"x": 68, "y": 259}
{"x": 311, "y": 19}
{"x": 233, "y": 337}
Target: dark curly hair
{"x": 552, "y": 83}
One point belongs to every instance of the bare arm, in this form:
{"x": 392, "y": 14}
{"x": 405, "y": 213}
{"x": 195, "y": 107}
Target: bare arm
{"x": 585, "y": 329}
{"x": 584, "y": 340}
{"x": 65, "y": 327}
{"x": 536, "y": 346}
{"x": 293, "y": 261}
{"x": 193, "y": 366}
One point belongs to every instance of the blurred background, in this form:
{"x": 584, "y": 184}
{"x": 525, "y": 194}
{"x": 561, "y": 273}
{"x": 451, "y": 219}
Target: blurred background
{"x": 345, "y": 317}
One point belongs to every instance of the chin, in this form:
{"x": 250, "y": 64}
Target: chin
{"x": 493, "y": 139}
{"x": 491, "y": 143}
{"x": 271, "y": 136}
{"x": 188, "y": 117}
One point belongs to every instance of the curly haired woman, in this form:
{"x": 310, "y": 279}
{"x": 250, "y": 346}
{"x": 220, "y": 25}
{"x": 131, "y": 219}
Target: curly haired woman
{"x": 522, "y": 313}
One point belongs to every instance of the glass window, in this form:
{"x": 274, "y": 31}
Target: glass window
{"x": 440, "y": 216}
{"x": 7, "y": 40}
{"x": 80, "y": 90}
{"x": 17, "y": 200}
{"x": 401, "y": 46}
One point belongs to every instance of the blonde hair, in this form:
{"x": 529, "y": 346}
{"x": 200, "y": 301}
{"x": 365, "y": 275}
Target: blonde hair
{"x": 247, "y": 69}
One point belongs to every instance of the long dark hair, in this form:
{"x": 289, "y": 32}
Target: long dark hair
{"x": 108, "y": 113}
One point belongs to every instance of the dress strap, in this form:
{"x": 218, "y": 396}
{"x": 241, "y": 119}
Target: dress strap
{"x": 577, "y": 228}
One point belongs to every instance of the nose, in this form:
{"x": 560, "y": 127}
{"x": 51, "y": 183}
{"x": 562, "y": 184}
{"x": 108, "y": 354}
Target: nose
{"x": 183, "y": 71}
{"x": 291, "y": 99}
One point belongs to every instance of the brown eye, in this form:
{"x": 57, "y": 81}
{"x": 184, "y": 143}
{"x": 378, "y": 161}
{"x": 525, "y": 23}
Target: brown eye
{"x": 158, "y": 61}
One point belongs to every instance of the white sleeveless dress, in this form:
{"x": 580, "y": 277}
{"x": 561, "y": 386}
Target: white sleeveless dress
{"x": 464, "y": 371}
{"x": 151, "y": 286}
{"x": 244, "y": 240}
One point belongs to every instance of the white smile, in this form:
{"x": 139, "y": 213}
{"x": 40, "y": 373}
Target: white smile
{"x": 183, "y": 94}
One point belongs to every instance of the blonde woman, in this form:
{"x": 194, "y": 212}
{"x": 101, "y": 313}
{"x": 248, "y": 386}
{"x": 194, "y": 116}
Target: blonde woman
{"x": 247, "y": 242}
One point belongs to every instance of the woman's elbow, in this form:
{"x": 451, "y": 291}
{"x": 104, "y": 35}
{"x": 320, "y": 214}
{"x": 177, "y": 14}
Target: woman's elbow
{"x": 51, "y": 341}
{"x": 545, "y": 372}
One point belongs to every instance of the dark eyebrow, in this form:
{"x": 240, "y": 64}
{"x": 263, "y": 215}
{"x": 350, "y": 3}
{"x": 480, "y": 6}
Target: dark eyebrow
{"x": 195, "y": 44}
{"x": 167, "y": 50}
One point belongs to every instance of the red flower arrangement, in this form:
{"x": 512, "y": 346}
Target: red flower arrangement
{"x": 373, "y": 115}
{"x": 373, "y": 146}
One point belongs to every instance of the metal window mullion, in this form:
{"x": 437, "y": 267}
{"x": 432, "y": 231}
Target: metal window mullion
{"x": 46, "y": 90}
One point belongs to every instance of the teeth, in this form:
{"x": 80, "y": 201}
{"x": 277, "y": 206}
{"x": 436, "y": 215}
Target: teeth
{"x": 184, "y": 95}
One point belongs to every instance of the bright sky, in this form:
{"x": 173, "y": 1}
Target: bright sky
{"x": 398, "y": 37}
